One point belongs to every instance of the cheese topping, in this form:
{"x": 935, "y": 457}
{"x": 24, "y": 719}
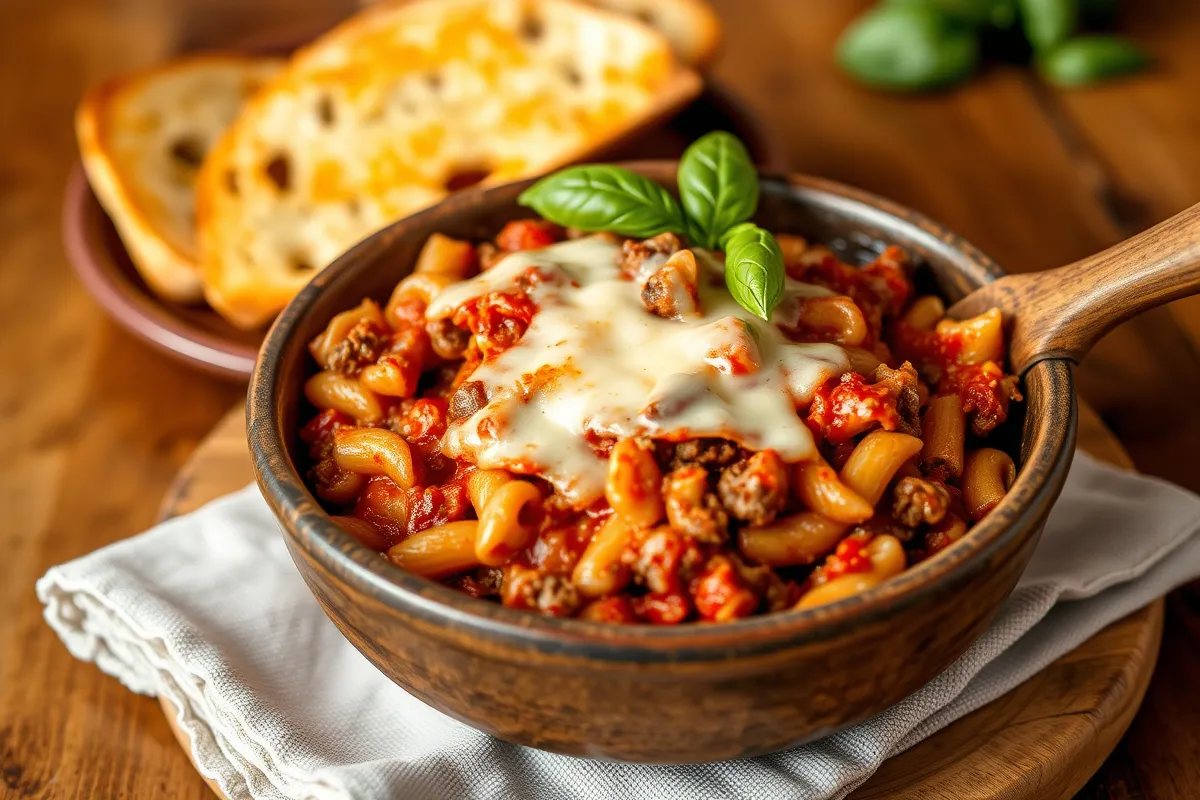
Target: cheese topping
{"x": 595, "y": 363}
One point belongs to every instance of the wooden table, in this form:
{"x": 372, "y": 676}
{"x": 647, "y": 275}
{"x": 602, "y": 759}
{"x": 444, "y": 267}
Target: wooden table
{"x": 95, "y": 424}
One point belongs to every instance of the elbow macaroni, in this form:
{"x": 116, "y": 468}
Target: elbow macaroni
{"x": 689, "y": 526}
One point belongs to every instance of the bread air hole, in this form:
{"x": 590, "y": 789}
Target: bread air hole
{"x": 300, "y": 264}
{"x": 572, "y": 74}
{"x": 532, "y": 27}
{"x": 279, "y": 172}
{"x": 325, "y": 111}
{"x": 466, "y": 176}
{"x": 188, "y": 151}
{"x": 231, "y": 182}
{"x": 435, "y": 82}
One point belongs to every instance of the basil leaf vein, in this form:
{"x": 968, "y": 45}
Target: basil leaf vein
{"x": 718, "y": 185}
{"x": 600, "y": 197}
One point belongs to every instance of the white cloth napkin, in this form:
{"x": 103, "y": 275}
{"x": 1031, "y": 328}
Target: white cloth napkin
{"x": 208, "y": 611}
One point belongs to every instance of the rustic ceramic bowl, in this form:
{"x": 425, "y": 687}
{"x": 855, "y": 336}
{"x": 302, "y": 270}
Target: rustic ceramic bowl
{"x": 689, "y": 693}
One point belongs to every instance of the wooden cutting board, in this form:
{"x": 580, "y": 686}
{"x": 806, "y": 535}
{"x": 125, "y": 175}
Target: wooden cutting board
{"x": 1041, "y": 741}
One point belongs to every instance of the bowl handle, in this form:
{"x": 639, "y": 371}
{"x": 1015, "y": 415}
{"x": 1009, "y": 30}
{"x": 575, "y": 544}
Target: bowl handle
{"x": 1061, "y": 313}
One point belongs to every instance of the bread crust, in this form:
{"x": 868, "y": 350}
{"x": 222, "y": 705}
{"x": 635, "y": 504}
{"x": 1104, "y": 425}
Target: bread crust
{"x": 161, "y": 247}
{"x": 692, "y": 26}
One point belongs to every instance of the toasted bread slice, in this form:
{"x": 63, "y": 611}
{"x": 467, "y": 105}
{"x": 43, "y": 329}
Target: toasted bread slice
{"x": 691, "y": 26}
{"x": 143, "y": 137}
{"x": 401, "y": 104}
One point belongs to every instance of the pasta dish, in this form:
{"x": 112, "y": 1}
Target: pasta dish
{"x": 589, "y": 425}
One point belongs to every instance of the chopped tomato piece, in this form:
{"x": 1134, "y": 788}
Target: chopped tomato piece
{"x": 985, "y": 391}
{"x": 497, "y": 319}
{"x": 720, "y": 594}
{"x": 614, "y": 610}
{"x": 662, "y": 609}
{"x": 318, "y": 432}
{"x": 847, "y": 406}
{"x": 528, "y": 234}
{"x": 424, "y": 421}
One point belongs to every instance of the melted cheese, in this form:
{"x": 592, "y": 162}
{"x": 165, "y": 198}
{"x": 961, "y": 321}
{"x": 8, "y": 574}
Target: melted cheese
{"x": 595, "y": 361}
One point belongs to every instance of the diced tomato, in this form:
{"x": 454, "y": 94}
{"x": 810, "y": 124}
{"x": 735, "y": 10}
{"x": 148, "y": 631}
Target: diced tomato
{"x": 318, "y": 432}
{"x": 528, "y": 234}
{"x": 662, "y": 609}
{"x": 497, "y": 319}
{"x": 985, "y": 391}
{"x": 929, "y": 350}
{"x": 850, "y": 556}
{"x": 720, "y": 594}
{"x": 614, "y": 610}
{"x": 437, "y": 505}
{"x": 891, "y": 281}
{"x": 425, "y": 421}
{"x": 847, "y": 405}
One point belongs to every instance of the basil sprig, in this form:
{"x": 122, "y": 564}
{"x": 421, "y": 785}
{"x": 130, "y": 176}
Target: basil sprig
{"x": 598, "y": 197}
{"x": 719, "y": 189}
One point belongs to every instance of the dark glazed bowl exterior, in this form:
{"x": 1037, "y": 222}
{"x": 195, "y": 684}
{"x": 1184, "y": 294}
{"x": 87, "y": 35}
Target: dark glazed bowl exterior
{"x": 689, "y": 693}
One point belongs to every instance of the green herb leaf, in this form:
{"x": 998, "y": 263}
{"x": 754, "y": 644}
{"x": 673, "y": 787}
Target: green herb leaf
{"x": 1087, "y": 59}
{"x": 736, "y": 230}
{"x": 605, "y": 198}
{"x": 908, "y": 48}
{"x": 718, "y": 186}
{"x": 976, "y": 13}
{"x": 1048, "y": 22}
{"x": 754, "y": 269}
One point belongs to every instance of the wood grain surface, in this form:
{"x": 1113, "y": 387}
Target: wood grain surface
{"x": 1042, "y": 740}
{"x": 95, "y": 425}
{"x": 1063, "y": 312}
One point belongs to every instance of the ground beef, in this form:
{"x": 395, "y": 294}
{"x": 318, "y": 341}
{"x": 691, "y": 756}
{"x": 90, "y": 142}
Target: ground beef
{"x": 707, "y": 453}
{"x": 634, "y": 254}
{"x": 550, "y": 593}
{"x": 903, "y": 382}
{"x": 665, "y": 561}
{"x": 483, "y": 582}
{"x": 919, "y": 502}
{"x": 755, "y": 490}
{"x": 467, "y": 399}
{"x": 693, "y": 508}
{"x": 363, "y": 345}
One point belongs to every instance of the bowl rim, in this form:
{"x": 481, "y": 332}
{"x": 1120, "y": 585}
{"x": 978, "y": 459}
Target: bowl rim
{"x": 313, "y": 531}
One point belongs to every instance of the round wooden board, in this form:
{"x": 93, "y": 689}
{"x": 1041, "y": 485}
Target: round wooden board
{"x": 1041, "y": 741}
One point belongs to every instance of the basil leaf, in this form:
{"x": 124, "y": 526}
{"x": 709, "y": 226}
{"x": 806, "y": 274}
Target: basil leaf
{"x": 1087, "y": 59}
{"x": 754, "y": 270}
{"x": 605, "y": 198}
{"x": 735, "y": 231}
{"x": 1048, "y": 22}
{"x": 908, "y": 48}
{"x": 718, "y": 186}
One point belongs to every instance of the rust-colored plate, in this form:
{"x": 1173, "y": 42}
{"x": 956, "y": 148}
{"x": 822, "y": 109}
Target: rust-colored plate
{"x": 197, "y": 336}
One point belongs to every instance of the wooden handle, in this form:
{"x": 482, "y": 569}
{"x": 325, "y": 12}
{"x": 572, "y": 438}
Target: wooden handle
{"x": 1062, "y": 312}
